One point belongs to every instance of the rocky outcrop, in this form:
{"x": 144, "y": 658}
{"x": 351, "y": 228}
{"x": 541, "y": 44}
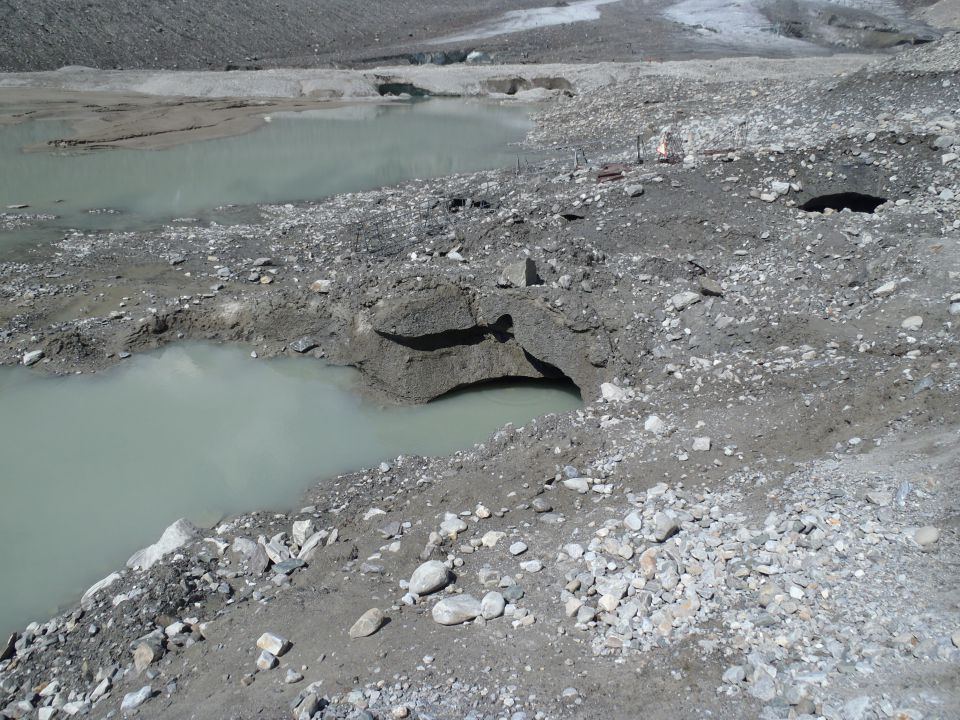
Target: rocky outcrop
{"x": 432, "y": 337}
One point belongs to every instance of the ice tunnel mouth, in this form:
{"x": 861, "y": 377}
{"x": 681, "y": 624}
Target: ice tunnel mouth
{"x": 853, "y": 201}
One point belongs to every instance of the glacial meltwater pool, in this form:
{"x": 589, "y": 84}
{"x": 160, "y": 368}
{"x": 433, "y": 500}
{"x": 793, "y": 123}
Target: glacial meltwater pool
{"x": 294, "y": 157}
{"x": 96, "y": 466}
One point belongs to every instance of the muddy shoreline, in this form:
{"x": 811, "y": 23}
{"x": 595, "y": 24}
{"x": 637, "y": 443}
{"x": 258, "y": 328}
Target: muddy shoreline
{"x": 783, "y": 353}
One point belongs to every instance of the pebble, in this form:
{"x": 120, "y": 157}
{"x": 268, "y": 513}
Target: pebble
{"x": 456, "y": 610}
{"x": 145, "y": 654}
{"x": 633, "y": 521}
{"x": 681, "y": 301}
{"x": 912, "y": 323}
{"x": 429, "y": 578}
{"x": 266, "y": 661}
{"x": 303, "y": 345}
{"x": 518, "y": 548}
{"x": 32, "y": 357}
{"x": 452, "y": 525}
{"x": 368, "y": 623}
{"x": 580, "y": 485}
{"x": 302, "y": 529}
{"x": 541, "y": 506}
{"x": 888, "y": 288}
{"x": 513, "y": 593}
{"x": 655, "y": 425}
{"x": 492, "y": 605}
{"x": 709, "y": 286}
{"x": 133, "y": 700}
{"x": 927, "y": 535}
{"x": 664, "y": 527}
{"x": 273, "y": 644}
{"x": 491, "y": 538}
{"x": 613, "y": 393}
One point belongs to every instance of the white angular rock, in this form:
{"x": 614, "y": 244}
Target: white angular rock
{"x": 492, "y": 537}
{"x": 633, "y": 521}
{"x": 273, "y": 643}
{"x": 76, "y": 707}
{"x": 613, "y": 393}
{"x": 302, "y": 529}
{"x": 452, "y": 525}
{"x": 664, "y": 527}
{"x": 429, "y": 578}
{"x": 266, "y": 661}
{"x": 32, "y": 357}
{"x": 133, "y": 700}
{"x": 655, "y": 425}
{"x": 572, "y": 606}
{"x": 888, "y": 288}
{"x": 173, "y": 538}
{"x": 456, "y": 610}
{"x": 701, "y": 444}
{"x": 608, "y": 603}
{"x": 580, "y": 485}
{"x": 86, "y": 602}
{"x": 310, "y": 545}
{"x": 681, "y": 301}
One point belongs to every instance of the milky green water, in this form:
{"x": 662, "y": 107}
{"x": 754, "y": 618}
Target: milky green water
{"x": 95, "y": 467}
{"x": 294, "y": 157}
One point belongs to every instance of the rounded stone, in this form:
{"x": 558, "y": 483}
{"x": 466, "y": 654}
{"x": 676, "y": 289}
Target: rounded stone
{"x": 927, "y": 535}
{"x": 633, "y": 521}
{"x": 913, "y": 323}
{"x": 429, "y": 578}
{"x": 518, "y": 548}
{"x": 368, "y": 623}
{"x": 492, "y": 605}
{"x": 456, "y": 610}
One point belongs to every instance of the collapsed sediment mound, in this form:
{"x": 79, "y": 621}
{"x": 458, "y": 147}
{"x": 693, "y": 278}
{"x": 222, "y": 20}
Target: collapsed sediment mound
{"x": 432, "y": 336}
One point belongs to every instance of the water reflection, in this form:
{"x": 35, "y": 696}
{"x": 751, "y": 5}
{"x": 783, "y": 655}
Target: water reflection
{"x": 294, "y": 157}
{"x": 96, "y": 466}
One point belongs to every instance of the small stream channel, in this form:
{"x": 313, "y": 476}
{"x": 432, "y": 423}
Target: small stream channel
{"x": 96, "y": 466}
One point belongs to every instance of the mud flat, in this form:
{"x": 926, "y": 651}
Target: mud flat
{"x": 755, "y": 513}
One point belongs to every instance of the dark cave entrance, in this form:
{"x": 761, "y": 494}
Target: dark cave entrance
{"x": 853, "y": 201}
{"x": 561, "y": 382}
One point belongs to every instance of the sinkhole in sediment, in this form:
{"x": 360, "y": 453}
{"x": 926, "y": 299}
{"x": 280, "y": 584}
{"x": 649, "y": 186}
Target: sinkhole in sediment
{"x": 853, "y": 201}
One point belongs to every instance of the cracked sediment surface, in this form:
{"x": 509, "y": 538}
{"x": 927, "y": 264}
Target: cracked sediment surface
{"x": 759, "y": 519}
